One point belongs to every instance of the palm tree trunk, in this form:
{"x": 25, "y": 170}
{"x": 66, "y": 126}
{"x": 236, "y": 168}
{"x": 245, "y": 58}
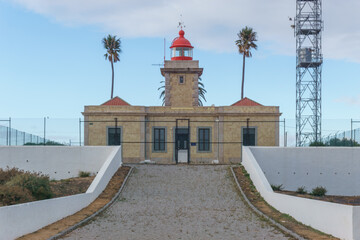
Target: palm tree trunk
{"x": 243, "y": 78}
{"x": 112, "y": 82}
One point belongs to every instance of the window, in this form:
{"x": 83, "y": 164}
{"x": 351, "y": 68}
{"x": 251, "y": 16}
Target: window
{"x": 159, "y": 139}
{"x": 181, "y": 79}
{"x": 203, "y": 139}
{"x": 114, "y": 136}
{"x": 179, "y": 52}
{"x": 249, "y": 136}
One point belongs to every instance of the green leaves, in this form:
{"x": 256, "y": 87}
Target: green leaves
{"x": 246, "y": 41}
{"x": 201, "y": 92}
{"x": 112, "y": 44}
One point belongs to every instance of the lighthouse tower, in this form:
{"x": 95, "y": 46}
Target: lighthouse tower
{"x": 181, "y": 74}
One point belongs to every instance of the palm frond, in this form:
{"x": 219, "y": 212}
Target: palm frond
{"x": 246, "y": 41}
{"x": 112, "y": 44}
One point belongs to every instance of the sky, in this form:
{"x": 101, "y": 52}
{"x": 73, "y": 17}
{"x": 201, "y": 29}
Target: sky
{"x": 52, "y": 60}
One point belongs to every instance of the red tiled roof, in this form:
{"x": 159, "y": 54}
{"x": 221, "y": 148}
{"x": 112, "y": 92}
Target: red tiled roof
{"x": 246, "y": 102}
{"x": 116, "y": 101}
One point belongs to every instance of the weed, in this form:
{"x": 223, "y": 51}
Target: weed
{"x": 319, "y": 191}
{"x": 84, "y": 174}
{"x": 14, "y": 195}
{"x": 277, "y": 187}
{"x": 301, "y": 190}
{"x": 37, "y": 184}
{"x": 8, "y": 173}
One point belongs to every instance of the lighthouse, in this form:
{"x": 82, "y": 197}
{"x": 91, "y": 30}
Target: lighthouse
{"x": 181, "y": 74}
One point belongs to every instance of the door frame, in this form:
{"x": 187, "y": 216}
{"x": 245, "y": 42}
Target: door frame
{"x": 176, "y": 138}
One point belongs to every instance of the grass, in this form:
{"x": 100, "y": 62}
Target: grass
{"x": 18, "y": 186}
{"x": 301, "y": 190}
{"x": 84, "y": 174}
{"x": 277, "y": 187}
{"x": 319, "y": 191}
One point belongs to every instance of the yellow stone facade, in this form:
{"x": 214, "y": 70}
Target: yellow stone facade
{"x": 226, "y": 125}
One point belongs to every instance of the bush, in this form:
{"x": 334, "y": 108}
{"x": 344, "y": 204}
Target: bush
{"x": 277, "y": 187}
{"x": 37, "y": 184}
{"x": 14, "y": 195}
{"x": 301, "y": 190}
{"x": 317, "y": 144}
{"x": 84, "y": 174}
{"x": 49, "y": 143}
{"x": 8, "y": 173}
{"x": 319, "y": 191}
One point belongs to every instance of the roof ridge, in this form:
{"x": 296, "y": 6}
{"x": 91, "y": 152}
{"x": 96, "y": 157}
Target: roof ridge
{"x": 116, "y": 101}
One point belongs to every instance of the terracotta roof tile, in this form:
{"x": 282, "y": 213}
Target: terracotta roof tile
{"x": 116, "y": 101}
{"x": 246, "y": 102}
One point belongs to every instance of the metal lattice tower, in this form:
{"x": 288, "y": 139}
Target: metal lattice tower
{"x": 308, "y": 30}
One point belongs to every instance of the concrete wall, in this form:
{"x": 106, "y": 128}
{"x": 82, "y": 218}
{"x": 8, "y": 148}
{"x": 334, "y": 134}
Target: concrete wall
{"x": 57, "y": 162}
{"x": 21, "y": 219}
{"x": 339, "y": 220}
{"x": 336, "y": 169}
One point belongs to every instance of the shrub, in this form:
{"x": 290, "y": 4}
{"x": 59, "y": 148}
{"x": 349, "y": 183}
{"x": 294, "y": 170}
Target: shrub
{"x": 49, "y": 143}
{"x": 319, "y": 191}
{"x": 84, "y": 174}
{"x": 37, "y": 184}
{"x": 14, "y": 195}
{"x": 8, "y": 173}
{"x": 317, "y": 144}
{"x": 301, "y": 190}
{"x": 277, "y": 187}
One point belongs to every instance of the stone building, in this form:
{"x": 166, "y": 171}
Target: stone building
{"x": 181, "y": 131}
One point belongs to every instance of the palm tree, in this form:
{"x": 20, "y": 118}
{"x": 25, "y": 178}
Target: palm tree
{"x": 201, "y": 92}
{"x": 247, "y": 38}
{"x": 113, "y": 50}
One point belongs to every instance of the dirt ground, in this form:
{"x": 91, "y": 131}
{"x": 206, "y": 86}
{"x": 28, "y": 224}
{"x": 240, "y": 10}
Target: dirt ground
{"x": 348, "y": 200}
{"x": 283, "y": 219}
{"x": 105, "y": 197}
{"x": 71, "y": 186}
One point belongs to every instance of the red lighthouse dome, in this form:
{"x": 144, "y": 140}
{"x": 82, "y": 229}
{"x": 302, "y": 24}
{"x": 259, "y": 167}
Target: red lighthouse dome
{"x": 181, "y": 48}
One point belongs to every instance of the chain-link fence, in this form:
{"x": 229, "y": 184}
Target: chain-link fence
{"x": 70, "y": 131}
{"x": 40, "y": 131}
{"x": 183, "y": 139}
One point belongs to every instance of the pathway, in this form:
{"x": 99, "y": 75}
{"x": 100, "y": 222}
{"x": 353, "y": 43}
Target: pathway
{"x": 178, "y": 202}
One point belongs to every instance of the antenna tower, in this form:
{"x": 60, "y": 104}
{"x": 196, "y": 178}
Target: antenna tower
{"x": 308, "y": 29}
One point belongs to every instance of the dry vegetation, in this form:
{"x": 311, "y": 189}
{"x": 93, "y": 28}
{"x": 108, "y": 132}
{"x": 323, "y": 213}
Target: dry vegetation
{"x": 18, "y": 186}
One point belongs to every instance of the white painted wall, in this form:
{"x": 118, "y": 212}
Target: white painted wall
{"x": 59, "y": 162}
{"x": 18, "y": 220}
{"x": 336, "y": 169}
{"x": 336, "y": 219}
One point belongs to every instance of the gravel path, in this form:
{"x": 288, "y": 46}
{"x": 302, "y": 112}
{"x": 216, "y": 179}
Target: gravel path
{"x": 178, "y": 202}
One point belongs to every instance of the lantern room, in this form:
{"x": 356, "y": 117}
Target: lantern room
{"x": 181, "y": 48}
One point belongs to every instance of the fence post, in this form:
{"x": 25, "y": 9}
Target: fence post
{"x": 7, "y": 136}
{"x": 351, "y": 138}
{"x": 44, "y": 129}
{"x": 247, "y": 131}
{"x": 80, "y": 131}
{"x": 9, "y": 131}
{"x": 284, "y": 133}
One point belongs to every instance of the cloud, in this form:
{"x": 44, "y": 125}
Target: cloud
{"x": 212, "y": 24}
{"x": 353, "y": 101}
